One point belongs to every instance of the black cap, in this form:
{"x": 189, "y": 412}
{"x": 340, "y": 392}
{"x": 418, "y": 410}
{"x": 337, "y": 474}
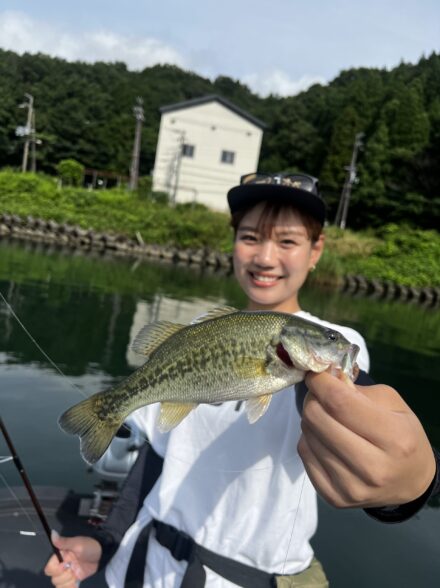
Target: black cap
{"x": 298, "y": 189}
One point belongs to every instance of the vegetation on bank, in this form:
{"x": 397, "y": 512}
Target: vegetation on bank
{"x": 398, "y": 253}
{"x": 84, "y": 112}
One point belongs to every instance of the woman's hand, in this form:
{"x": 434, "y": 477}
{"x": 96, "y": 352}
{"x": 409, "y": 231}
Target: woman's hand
{"x": 81, "y": 557}
{"x": 362, "y": 446}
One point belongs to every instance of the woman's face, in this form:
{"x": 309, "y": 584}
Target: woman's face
{"x": 272, "y": 268}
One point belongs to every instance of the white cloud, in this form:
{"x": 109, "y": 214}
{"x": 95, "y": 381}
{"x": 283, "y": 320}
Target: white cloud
{"x": 277, "y": 82}
{"x": 20, "y": 33}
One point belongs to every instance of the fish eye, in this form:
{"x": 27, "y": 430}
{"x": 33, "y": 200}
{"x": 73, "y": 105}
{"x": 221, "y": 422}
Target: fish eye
{"x": 331, "y": 336}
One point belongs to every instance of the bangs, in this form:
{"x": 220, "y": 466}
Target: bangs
{"x": 269, "y": 215}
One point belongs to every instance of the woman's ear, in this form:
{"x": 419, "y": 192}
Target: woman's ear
{"x": 317, "y": 249}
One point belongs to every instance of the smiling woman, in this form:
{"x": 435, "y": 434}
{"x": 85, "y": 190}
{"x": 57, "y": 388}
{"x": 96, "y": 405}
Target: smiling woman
{"x": 233, "y": 503}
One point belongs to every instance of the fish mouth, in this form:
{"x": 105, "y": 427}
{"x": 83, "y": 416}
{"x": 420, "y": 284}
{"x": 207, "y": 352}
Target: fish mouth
{"x": 347, "y": 364}
{"x": 283, "y": 355}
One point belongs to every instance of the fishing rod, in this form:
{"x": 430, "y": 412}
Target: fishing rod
{"x": 19, "y": 465}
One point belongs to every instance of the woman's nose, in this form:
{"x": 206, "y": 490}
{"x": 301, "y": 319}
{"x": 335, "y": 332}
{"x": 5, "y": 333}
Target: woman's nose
{"x": 265, "y": 253}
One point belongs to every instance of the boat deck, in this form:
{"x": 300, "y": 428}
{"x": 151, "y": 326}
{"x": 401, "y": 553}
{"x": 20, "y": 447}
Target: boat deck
{"x": 24, "y": 548}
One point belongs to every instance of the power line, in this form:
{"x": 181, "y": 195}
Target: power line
{"x": 200, "y": 173}
{"x": 202, "y": 167}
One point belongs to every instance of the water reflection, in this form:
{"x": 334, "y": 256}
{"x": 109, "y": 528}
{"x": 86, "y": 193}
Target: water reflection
{"x": 163, "y": 308}
{"x": 85, "y": 311}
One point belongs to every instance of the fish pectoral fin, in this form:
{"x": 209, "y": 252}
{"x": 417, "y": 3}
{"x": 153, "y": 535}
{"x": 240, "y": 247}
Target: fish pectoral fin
{"x": 256, "y": 407}
{"x": 250, "y": 367}
{"x": 215, "y": 313}
{"x": 151, "y": 336}
{"x": 171, "y": 413}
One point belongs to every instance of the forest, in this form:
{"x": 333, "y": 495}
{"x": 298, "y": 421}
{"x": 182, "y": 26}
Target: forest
{"x": 84, "y": 112}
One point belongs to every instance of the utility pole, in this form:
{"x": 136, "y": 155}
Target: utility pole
{"x": 138, "y": 111}
{"x": 33, "y": 144}
{"x": 181, "y": 143}
{"x": 341, "y": 215}
{"x": 27, "y": 129}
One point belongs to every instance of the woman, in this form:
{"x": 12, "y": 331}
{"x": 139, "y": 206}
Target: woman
{"x": 240, "y": 491}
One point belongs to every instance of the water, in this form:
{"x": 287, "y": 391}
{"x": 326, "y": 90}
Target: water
{"x": 84, "y": 312}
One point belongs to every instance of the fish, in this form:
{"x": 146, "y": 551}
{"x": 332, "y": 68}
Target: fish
{"x": 225, "y": 355}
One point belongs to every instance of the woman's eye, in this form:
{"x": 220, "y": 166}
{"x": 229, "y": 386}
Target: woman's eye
{"x": 288, "y": 242}
{"x": 248, "y": 237}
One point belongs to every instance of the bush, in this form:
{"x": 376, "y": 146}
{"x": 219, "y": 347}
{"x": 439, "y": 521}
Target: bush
{"x": 394, "y": 252}
{"x": 71, "y": 172}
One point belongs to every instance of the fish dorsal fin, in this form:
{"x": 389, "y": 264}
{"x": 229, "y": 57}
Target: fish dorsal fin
{"x": 215, "y": 313}
{"x": 171, "y": 413}
{"x": 256, "y": 407}
{"x": 151, "y": 336}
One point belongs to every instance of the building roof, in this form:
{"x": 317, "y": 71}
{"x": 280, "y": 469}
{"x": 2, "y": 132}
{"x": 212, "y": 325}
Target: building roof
{"x": 220, "y": 100}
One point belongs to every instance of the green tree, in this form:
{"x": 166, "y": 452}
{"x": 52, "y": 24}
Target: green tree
{"x": 408, "y": 122}
{"x": 71, "y": 172}
{"x": 334, "y": 172}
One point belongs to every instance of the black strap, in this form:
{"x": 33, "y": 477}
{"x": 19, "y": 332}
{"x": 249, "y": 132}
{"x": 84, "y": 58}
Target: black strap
{"x": 183, "y": 547}
{"x": 134, "y": 577}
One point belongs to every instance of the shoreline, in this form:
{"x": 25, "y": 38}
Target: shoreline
{"x": 74, "y": 237}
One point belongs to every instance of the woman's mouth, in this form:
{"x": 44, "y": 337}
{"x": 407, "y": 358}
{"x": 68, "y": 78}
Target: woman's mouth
{"x": 264, "y": 280}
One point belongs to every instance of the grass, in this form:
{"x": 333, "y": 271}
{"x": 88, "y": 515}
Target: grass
{"x": 398, "y": 253}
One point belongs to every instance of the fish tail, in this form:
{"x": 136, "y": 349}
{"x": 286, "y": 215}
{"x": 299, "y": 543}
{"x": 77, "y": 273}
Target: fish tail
{"x": 94, "y": 427}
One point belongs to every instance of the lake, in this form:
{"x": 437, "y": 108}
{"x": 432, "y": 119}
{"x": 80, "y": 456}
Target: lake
{"x": 84, "y": 311}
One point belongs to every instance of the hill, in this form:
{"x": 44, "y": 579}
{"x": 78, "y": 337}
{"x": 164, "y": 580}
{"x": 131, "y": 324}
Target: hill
{"x": 84, "y": 111}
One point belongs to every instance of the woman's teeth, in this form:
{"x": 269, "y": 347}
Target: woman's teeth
{"x": 264, "y": 278}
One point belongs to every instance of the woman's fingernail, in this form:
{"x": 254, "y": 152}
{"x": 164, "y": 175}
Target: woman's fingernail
{"x": 67, "y": 565}
{"x": 54, "y": 535}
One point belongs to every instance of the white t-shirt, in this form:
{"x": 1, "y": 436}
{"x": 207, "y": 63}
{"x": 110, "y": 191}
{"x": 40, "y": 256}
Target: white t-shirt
{"x": 238, "y": 489}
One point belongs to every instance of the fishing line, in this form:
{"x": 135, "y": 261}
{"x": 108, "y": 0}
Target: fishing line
{"x": 27, "y": 483}
{"x": 52, "y": 363}
{"x": 38, "y": 346}
{"x": 294, "y": 522}
{"x": 124, "y": 425}
{"x": 21, "y": 506}
{"x": 85, "y": 396}
{"x": 78, "y": 389}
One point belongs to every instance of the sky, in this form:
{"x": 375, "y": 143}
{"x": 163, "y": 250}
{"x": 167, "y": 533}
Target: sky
{"x": 274, "y": 46}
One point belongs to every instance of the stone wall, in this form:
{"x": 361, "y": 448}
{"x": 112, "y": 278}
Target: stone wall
{"x": 51, "y": 232}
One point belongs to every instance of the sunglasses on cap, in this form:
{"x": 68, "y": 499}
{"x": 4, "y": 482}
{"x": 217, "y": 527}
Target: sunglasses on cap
{"x": 299, "y": 181}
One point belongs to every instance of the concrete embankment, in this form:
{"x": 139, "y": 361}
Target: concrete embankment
{"x": 74, "y": 237}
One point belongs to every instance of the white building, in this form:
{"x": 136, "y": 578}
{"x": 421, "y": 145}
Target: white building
{"x": 204, "y": 146}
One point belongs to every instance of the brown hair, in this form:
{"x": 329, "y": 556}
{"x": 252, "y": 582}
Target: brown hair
{"x": 269, "y": 215}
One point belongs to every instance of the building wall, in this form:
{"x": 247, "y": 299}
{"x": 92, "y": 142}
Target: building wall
{"x": 210, "y": 128}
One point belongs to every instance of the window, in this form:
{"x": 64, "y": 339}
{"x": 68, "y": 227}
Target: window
{"x": 187, "y": 150}
{"x": 228, "y": 156}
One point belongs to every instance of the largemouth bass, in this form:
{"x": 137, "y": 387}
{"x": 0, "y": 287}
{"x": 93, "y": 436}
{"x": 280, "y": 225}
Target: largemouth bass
{"x": 225, "y": 355}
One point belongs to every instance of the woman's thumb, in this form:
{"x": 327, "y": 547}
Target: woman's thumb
{"x": 59, "y": 541}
